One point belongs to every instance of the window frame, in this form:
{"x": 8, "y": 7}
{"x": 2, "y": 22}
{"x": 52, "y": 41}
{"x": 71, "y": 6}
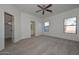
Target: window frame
{"x": 46, "y": 26}
{"x": 70, "y": 25}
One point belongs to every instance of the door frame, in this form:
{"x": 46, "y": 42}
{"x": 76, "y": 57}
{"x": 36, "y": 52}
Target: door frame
{"x": 12, "y": 26}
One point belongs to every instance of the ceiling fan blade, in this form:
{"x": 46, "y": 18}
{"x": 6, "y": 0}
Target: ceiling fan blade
{"x": 49, "y": 10}
{"x": 48, "y": 6}
{"x": 38, "y": 11}
{"x": 40, "y": 6}
{"x": 43, "y": 12}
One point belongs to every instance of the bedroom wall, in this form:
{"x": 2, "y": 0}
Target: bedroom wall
{"x": 26, "y": 25}
{"x": 56, "y": 25}
{"x": 13, "y": 11}
{"x": 21, "y": 24}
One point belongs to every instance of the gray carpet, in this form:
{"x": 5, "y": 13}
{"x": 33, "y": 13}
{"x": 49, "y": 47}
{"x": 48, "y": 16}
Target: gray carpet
{"x": 43, "y": 45}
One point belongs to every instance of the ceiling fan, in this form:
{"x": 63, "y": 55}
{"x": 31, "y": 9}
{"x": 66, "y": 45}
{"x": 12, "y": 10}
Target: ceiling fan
{"x": 44, "y": 8}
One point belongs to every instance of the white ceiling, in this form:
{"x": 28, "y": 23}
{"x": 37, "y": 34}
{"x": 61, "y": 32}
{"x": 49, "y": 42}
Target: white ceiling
{"x": 57, "y": 8}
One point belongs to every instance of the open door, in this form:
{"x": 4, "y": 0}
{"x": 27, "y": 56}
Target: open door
{"x": 32, "y": 28}
{"x": 9, "y": 33}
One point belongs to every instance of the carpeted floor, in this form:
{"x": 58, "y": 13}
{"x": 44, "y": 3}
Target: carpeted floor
{"x": 43, "y": 45}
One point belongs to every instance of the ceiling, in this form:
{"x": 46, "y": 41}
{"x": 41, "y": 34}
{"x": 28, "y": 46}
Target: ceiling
{"x": 57, "y": 8}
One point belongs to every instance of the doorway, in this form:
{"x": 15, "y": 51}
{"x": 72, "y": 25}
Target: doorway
{"x": 8, "y": 24}
{"x": 32, "y": 28}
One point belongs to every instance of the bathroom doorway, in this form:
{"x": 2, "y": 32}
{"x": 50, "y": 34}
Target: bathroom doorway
{"x": 9, "y": 33}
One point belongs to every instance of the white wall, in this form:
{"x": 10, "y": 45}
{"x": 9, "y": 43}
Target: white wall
{"x": 13, "y": 11}
{"x": 21, "y": 24}
{"x": 26, "y": 25}
{"x": 1, "y": 30}
{"x": 56, "y": 25}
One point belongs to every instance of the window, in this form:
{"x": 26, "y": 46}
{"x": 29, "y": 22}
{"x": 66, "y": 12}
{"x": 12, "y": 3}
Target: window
{"x": 46, "y": 27}
{"x": 70, "y": 25}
